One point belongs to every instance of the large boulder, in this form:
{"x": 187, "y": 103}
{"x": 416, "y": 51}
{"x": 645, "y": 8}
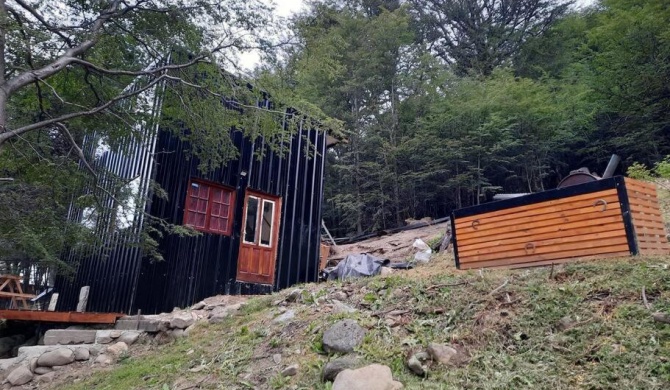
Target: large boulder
{"x": 372, "y": 377}
{"x": 286, "y": 317}
{"x": 181, "y": 320}
{"x": 46, "y": 378}
{"x": 42, "y": 370}
{"x": 335, "y": 366}
{"x": 58, "y": 357}
{"x": 104, "y": 359}
{"x": 343, "y": 337}
{"x": 117, "y": 349}
{"x": 20, "y": 376}
{"x": 219, "y": 313}
{"x": 82, "y": 354}
{"x": 444, "y": 354}
{"x": 129, "y": 337}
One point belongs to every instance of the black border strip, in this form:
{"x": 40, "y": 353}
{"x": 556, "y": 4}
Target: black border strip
{"x": 537, "y": 197}
{"x": 454, "y": 242}
{"x": 627, "y": 216}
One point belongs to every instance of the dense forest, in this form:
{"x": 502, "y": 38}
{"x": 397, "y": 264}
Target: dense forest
{"x": 447, "y": 102}
{"x": 443, "y": 102}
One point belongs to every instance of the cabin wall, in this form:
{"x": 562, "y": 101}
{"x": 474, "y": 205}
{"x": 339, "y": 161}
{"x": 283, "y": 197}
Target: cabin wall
{"x": 650, "y": 231}
{"x": 112, "y": 267}
{"x": 548, "y": 227}
{"x": 205, "y": 265}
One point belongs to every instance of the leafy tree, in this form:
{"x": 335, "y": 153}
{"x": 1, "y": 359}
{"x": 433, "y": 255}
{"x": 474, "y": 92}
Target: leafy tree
{"x": 78, "y": 73}
{"x": 628, "y": 58}
{"x": 350, "y": 64}
{"x": 479, "y": 35}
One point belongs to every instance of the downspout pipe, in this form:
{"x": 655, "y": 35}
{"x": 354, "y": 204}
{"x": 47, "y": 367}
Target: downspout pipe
{"x": 611, "y": 166}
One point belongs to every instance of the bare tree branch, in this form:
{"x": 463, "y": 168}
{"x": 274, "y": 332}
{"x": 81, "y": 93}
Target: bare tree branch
{"x": 119, "y": 72}
{"x": 11, "y": 133}
{"x": 60, "y": 63}
{"x": 80, "y": 153}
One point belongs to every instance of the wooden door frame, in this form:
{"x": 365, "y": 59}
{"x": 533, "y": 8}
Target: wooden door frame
{"x": 274, "y": 240}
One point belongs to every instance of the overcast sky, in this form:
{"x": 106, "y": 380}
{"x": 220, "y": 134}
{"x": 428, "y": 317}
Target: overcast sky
{"x": 287, "y": 8}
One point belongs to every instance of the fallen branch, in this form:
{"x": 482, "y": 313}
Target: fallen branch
{"x": 6, "y": 179}
{"x": 644, "y": 299}
{"x": 499, "y": 287}
{"x": 509, "y": 303}
{"x": 559, "y": 348}
{"x": 446, "y": 285}
{"x": 382, "y": 313}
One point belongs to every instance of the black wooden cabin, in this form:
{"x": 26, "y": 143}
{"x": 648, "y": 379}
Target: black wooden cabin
{"x": 259, "y": 220}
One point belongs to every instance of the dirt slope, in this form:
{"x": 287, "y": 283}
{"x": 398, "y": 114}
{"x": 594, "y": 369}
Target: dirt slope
{"x": 576, "y": 326}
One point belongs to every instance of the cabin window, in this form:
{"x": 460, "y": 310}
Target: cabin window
{"x": 250, "y": 220}
{"x": 209, "y": 207}
{"x": 267, "y": 222}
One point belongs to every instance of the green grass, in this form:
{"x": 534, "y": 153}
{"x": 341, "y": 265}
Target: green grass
{"x": 513, "y": 338}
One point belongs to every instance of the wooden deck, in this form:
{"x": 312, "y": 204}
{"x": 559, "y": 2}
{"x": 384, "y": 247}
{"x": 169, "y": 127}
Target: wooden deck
{"x": 69, "y": 317}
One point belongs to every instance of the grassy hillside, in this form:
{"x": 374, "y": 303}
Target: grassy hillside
{"x": 576, "y": 326}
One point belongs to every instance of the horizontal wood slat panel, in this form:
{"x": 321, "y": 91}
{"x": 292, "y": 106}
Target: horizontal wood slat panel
{"x": 633, "y": 183}
{"x": 522, "y": 234}
{"x": 643, "y": 209}
{"x": 591, "y": 217}
{"x": 542, "y": 243}
{"x": 525, "y": 231}
{"x": 572, "y": 199}
{"x": 578, "y": 209}
{"x": 655, "y": 245}
{"x": 521, "y": 253}
{"x": 639, "y": 183}
{"x": 636, "y": 188}
{"x": 648, "y": 226}
{"x": 650, "y": 218}
{"x": 641, "y": 194}
{"x": 646, "y": 238}
{"x": 654, "y": 252}
{"x": 569, "y": 259}
{"x": 647, "y": 203}
{"x": 524, "y": 261}
{"x": 524, "y": 212}
{"x": 560, "y": 231}
{"x": 647, "y": 217}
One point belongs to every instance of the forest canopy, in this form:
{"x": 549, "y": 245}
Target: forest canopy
{"x": 448, "y": 102}
{"x": 444, "y": 102}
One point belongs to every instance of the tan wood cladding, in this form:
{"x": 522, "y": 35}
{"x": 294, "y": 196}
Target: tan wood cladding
{"x": 580, "y": 226}
{"x": 577, "y": 226}
{"x": 650, "y": 231}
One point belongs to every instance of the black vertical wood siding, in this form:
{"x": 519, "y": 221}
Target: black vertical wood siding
{"x": 197, "y": 267}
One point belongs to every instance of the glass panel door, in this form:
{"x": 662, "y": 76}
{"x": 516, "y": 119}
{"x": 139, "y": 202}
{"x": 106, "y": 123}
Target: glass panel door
{"x": 251, "y": 219}
{"x": 267, "y": 222}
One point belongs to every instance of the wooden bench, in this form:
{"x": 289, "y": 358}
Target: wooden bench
{"x": 10, "y": 287}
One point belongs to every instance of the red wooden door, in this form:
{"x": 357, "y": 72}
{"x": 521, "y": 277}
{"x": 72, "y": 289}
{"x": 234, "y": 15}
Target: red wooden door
{"x": 260, "y": 234}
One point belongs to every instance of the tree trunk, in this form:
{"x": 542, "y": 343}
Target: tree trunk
{"x": 3, "y": 93}
{"x": 395, "y": 127}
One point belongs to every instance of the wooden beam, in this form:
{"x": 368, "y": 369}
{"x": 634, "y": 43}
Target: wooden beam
{"x": 5, "y": 294}
{"x": 63, "y": 317}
